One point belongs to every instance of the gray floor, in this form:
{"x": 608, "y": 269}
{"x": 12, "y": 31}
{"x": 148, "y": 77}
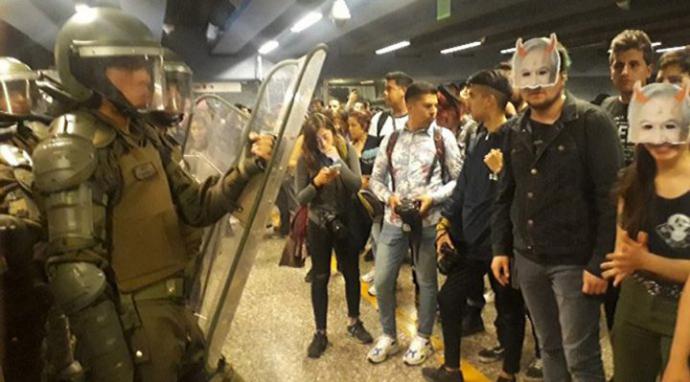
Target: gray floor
{"x": 274, "y": 325}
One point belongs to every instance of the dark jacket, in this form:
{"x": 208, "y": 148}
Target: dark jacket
{"x": 555, "y": 206}
{"x": 333, "y": 197}
{"x": 469, "y": 207}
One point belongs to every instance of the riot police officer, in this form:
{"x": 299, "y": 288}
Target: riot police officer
{"x": 114, "y": 199}
{"x": 23, "y": 297}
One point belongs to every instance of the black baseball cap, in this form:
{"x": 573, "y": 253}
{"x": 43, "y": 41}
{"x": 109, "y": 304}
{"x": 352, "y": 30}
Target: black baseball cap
{"x": 492, "y": 79}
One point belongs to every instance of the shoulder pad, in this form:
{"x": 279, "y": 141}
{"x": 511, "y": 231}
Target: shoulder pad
{"x": 86, "y": 125}
{"x": 14, "y": 157}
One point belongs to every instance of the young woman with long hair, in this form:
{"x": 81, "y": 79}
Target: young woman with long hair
{"x": 651, "y": 259}
{"x": 328, "y": 175}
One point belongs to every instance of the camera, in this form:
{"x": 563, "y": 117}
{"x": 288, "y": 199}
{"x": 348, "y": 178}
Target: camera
{"x": 335, "y": 225}
{"x": 449, "y": 260}
{"x": 408, "y": 210}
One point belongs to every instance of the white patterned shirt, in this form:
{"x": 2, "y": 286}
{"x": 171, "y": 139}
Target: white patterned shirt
{"x": 412, "y": 158}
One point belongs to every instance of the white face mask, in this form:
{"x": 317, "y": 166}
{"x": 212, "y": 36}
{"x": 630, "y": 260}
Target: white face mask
{"x": 658, "y": 114}
{"x": 536, "y": 63}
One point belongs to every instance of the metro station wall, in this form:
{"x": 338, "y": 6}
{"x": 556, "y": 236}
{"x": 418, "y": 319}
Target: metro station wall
{"x": 588, "y": 75}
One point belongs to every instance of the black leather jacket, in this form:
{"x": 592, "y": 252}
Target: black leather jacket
{"x": 555, "y": 205}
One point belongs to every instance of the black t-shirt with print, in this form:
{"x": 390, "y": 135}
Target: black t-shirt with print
{"x": 619, "y": 112}
{"x": 669, "y": 226}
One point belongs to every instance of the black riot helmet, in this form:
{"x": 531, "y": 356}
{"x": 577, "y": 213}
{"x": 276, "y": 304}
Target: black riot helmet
{"x": 104, "y": 53}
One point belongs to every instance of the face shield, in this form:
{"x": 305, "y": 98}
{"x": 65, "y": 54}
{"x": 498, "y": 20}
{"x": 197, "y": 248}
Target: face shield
{"x": 128, "y": 76}
{"x": 536, "y": 63}
{"x": 178, "y": 94}
{"x": 659, "y": 114}
{"x": 19, "y": 95}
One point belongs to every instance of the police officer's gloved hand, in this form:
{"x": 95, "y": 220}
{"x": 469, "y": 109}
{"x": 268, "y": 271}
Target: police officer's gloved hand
{"x": 260, "y": 153}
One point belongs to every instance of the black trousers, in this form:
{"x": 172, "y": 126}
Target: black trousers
{"x": 320, "y": 244}
{"x": 510, "y": 322}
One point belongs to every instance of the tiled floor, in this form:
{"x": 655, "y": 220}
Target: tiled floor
{"x": 274, "y": 325}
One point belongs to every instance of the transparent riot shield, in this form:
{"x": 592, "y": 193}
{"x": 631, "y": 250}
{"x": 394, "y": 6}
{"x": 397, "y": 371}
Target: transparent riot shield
{"x": 213, "y": 139}
{"x": 230, "y": 249}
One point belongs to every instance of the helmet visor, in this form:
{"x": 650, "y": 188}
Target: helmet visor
{"x": 178, "y": 93}
{"x": 133, "y": 73}
{"x": 18, "y": 97}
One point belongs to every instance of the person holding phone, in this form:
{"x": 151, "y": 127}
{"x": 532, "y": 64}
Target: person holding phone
{"x": 328, "y": 176}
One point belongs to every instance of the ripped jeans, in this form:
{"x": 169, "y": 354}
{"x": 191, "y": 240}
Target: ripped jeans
{"x": 320, "y": 244}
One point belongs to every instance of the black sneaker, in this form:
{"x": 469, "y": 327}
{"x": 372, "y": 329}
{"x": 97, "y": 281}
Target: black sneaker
{"x": 490, "y": 355}
{"x": 317, "y": 346}
{"x": 535, "y": 371}
{"x": 441, "y": 374}
{"x": 472, "y": 324}
{"x": 309, "y": 277}
{"x": 357, "y": 330}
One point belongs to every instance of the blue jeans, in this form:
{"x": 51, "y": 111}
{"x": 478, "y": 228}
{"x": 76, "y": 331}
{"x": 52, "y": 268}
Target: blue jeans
{"x": 566, "y": 320}
{"x": 392, "y": 247}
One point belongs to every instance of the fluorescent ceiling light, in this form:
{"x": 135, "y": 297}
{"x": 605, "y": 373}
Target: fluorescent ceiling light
{"x": 508, "y": 51}
{"x": 81, "y": 7}
{"x": 340, "y": 10}
{"x": 268, "y": 47}
{"x": 461, "y": 47}
{"x": 305, "y": 22}
{"x": 367, "y": 82}
{"x": 670, "y": 49}
{"x": 396, "y": 46}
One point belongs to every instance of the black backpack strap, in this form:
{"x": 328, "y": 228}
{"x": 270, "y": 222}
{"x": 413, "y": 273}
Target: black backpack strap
{"x": 389, "y": 154}
{"x": 440, "y": 156}
{"x": 380, "y": 123}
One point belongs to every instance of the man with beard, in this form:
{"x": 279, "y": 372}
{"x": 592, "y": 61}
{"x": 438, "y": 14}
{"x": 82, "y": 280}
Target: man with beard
{"x": 554, "y": 218}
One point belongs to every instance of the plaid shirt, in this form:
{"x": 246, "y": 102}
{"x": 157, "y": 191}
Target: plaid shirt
{"x": 412, "y": 158}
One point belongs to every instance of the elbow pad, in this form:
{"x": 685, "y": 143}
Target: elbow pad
{"x": 63, "y": 166}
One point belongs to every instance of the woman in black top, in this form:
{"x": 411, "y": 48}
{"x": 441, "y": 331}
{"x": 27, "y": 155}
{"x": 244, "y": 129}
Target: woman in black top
{"x": 652, "y": 256}
{"x": 365, "y": 144}
{"x": 328, "y": 176}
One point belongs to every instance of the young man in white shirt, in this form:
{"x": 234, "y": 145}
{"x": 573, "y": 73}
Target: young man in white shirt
{"x": 382, "y": 125}
{"x": 394, "y": 96}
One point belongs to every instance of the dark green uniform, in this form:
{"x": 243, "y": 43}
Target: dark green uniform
{"x": 147, "y": 199}
{"x": 24, "y": 297}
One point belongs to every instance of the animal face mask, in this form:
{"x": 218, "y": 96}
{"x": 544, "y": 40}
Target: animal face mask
{"x": 658, "y": 114}
{"x": 536, "y": 63}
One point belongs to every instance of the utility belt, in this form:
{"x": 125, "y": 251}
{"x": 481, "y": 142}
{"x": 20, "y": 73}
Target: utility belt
{"x": 172, "y": 288}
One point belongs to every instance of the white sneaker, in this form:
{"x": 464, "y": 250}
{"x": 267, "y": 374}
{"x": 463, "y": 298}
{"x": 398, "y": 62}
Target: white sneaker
{"x": 372, "y": 290}
{"x": 418, "y": 352}
{"x": 385, "y": 346}
{"x": 369, "y": 276}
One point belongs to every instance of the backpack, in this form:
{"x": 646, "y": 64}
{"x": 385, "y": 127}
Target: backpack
{"x": 440, "y": 155}
{"x": 381, "y": 122}
{"x": 295, "y": 251}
